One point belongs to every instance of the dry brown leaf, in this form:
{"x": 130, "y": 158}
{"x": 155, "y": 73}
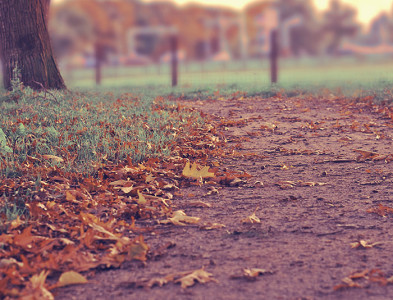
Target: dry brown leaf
{"x": 121, "y": 182}
{"x": 347, "y": 283}
{"x": 381, "y": 210}
{"x": 268, "y": 126}
{"x": 212, "y": 191}
{"x": 366, "y": 154}
{"x": 211, "y": 226}
{"x": 310, "y": 183}
{"x": 149, "y": 178}
{"x": 199, "y": 204}
{"x": 138, "y": 249}
{"x": 36, "y": 288}
{"x": 159, "y": 281}
{"x": 237, "y": 182}
{"x": 286, "y": 184}
{"x": 200, "y": 276}
{"x": 252, "y": 218}
{"x": 71, "y": 197}
{"x": 251, "y": 274}
{"x": 254, "y": 272}
{"x": 364, "y": 244}
{"x": 7, "y": 262}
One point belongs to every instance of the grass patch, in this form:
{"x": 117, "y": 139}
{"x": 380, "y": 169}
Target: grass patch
{"x": 349, "y": 76}
{"x": 79, "y": 131}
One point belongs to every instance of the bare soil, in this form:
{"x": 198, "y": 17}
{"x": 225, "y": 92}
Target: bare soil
{"x": 315, "y": 196}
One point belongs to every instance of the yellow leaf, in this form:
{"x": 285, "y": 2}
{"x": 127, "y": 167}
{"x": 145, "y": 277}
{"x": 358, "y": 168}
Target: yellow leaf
{"x": 149, "y": 178}
{"x": 254, "y": 272}
{"x": 16, "y": 223}
{"x": 138, "y": 250}
{"x": 142, "y": 199}
{"x": 252, "y": 219}
{"x": 180, "y": 218}
{"x": 55, "y": 158}
{"x": 210, "y": 226}
{"x": 70, "y": 197}
{"x": 126, "y": 189}
{"x": 200, "y": 276}
{"x": 36, "y": 289}
{"x": 71, "y": 277}
{"x": 199, "y": 204}
{"x": 364, "y": 244}
{"x": 193, "y": 172}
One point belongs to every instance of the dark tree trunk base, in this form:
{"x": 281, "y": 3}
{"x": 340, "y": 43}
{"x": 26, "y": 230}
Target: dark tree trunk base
{"x": 25, "y": 44}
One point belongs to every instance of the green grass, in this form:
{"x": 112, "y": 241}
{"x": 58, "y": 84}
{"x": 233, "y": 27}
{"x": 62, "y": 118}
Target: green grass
{"x": 87, "y": 129}
{"x": 348, "y": 74}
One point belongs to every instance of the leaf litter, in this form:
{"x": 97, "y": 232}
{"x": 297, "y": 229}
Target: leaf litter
{"x": 80, "y": 224}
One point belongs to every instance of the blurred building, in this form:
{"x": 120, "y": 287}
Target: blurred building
{"x": 134, "y": 32}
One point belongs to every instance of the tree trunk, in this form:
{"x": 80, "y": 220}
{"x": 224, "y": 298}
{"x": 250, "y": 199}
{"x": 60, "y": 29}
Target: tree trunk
{"x": 25, "y": 44}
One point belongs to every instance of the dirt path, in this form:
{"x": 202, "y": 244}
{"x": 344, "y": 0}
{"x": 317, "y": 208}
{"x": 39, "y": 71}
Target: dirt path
{"x": 314, "y": 196}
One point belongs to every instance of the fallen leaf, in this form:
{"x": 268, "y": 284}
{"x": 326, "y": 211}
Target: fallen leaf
{"x": 138, "y": 249}
{"x": 120, "y": 182}
{"x": 70, "y": 197}
{"x": 53, "y": 157}
{"x": 347, "y": 283}
{"x": 285, "y": 167}
{"x": 237, "y": 182}
{"x": 365, "y": 154}
{"x": 200, "y": 276}
{"x": 16, "y": 223}
{"x": 127, "y": 189}
{"x": 252, "y": 219}
{"x": 381, "y": 210}
{"x": 7, "y": 262}
{"x": 268, "y": 126}
{"x": 212, "y": 191}
{"x": 251, "y": 274}
{"x": 287, "y": 184}
{"x": 310, "y": 183}
{"x": 193, "y": 172}
{"x": 142, "y": 200}
{"x": 69, "y": 278}
{"x": 36, "y": 289}
{"x": 199, "y": 204}
{"x": 180, "y": 218}
{"x": 211, "y": 226}
{"x": 364, "y": 244}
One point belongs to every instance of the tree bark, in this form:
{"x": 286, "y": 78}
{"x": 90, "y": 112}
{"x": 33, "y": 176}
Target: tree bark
{"x": 25, "y": 44}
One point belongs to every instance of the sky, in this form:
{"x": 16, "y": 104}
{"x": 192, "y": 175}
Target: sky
{"x": 367, "y": 9}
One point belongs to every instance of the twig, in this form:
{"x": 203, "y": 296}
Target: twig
{"x": 46, "y": 91}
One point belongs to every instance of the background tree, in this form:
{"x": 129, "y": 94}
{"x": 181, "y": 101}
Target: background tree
{"x": 339, "y": 21}
{"x": 25, "y": 44}
{"x": 306, "y": 36}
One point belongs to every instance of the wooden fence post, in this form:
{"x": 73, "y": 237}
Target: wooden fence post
{"x": 174, "y": 59}
{"x": 274, "y": 52}
{"x": 98, "y": 52}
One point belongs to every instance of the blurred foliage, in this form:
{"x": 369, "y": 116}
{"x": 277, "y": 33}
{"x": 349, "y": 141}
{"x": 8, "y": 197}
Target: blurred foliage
{"x": 77, "y": 27}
